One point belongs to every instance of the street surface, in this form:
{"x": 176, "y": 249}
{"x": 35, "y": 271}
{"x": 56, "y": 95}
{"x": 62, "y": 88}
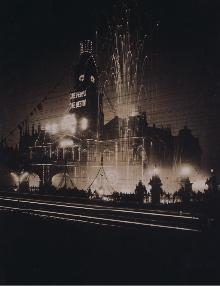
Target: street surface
{"x": 51, "y": 240}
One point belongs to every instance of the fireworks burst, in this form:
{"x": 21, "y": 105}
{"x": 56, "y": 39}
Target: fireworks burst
{"x": 125, "y": 63}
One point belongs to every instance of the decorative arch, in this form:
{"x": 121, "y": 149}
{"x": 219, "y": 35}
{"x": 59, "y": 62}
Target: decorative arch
{"x": 58, "y": 181}
{"x": 34, "y": 182}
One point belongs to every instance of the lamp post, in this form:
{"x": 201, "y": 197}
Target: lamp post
{"x": 213, "y": 186}
{"x": 185, "y": 184}
{"x": 156, "y": 184}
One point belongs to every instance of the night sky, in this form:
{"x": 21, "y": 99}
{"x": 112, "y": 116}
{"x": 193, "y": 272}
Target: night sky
{"x": 39, "y": 44}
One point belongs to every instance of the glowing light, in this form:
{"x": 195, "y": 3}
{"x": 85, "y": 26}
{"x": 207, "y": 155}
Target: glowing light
{"x": 34, "y": 180}
{"x": 54, "y": 128}
{"x": 148, "y": 188}
{"x": 155, "y": 171}
{"x": 133, "y": 113}
{"x": 23, "y": 176}
{"x": 82, "y": 77}
{"x": 20, "y": 178}
{"x": 69, "y": 123}
{"x": 127, "y": 190}
{"x": 48, "y": 127}
{"x": 84, "y": 123}
{"x": 101, "y": 190}
{"x": 15, "y": 176}
{"x": 66, "y": 143}
{"x": 92, "y": 79}
{"x": 185, "y": 171}
{"x": 199, "y": 185}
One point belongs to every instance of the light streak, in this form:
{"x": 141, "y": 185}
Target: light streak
{"x": 103, "y": 209}
{"x": 106, "y": 219}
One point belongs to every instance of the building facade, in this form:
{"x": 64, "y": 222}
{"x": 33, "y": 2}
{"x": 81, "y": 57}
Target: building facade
{"x": 84, "y": 152}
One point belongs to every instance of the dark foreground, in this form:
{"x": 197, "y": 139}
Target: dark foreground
{"x": 36, "y": 250}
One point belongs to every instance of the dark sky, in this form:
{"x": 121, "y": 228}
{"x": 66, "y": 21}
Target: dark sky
{"x": 39, "y": 43}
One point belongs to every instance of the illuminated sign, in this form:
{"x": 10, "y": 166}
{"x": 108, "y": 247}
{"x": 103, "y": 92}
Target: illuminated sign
{"x": 78, "y": 103}
{"x": 74, "y": 96}
{"x": 69, "y": 123}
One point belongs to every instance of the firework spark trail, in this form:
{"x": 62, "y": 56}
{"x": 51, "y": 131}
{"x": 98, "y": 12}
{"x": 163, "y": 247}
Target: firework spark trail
{"x": 125, "y": 64}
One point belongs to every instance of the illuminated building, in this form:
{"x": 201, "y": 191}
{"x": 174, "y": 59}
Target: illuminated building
{"x": 129, "y": 147}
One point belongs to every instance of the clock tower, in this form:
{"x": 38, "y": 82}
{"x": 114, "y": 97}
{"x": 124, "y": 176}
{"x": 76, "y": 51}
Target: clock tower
{"x": 86, "y": 101}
